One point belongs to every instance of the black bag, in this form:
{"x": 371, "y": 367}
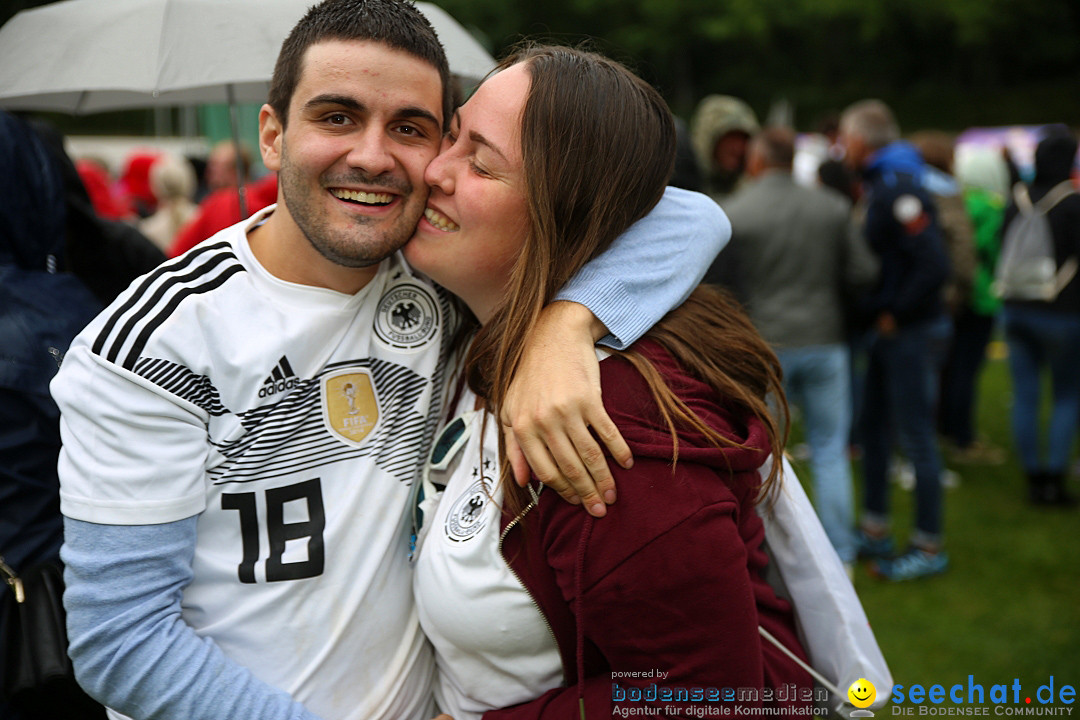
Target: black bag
{"x": 36, "y": 676}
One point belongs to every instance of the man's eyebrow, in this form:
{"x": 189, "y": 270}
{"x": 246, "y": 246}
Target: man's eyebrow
{"x": 418, "y": 113}
{"x": 349, "y": 103}
{"x": 329, "y": 99}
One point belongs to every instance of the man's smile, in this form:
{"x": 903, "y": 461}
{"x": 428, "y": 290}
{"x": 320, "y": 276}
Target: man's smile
{"x": 361, "y": 197}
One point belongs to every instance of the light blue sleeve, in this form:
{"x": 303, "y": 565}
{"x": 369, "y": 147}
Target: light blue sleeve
{"x": 131, "y": 649}
{"x": 652, "y": 267}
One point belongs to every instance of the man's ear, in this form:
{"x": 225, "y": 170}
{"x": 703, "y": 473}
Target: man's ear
{"x": 755, "y": 162}
{"x": 271, "y": 135}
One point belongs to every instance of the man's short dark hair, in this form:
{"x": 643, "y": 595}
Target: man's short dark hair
{"x": 776, "y": 145}
{"x": 396, "y": 23}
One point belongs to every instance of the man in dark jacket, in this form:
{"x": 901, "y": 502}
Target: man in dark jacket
{"x": 909, "y": 332}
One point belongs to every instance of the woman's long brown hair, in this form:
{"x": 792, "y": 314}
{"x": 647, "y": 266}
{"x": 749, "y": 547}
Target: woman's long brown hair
{"x": 598, "y": 146}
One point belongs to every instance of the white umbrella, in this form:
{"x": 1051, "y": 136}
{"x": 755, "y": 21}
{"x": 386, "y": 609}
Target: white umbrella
{"x": 85, "y": 56}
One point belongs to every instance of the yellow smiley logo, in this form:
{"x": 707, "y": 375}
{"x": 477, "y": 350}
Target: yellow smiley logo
{"x": 862, "y": 693}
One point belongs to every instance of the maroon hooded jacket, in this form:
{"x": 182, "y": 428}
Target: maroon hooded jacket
{"x": 671, "y": 579}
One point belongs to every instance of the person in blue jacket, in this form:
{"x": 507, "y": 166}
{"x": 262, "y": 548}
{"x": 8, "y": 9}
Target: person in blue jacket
{"x": 42, "y": 307}
{"x": 908, "y": 335}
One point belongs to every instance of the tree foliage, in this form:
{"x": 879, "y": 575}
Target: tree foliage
{"x": 940, "y": 63}
{"x": 944, "y": 63}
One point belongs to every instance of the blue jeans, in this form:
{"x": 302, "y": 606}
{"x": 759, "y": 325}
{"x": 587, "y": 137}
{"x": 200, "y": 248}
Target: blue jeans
{"x": 899, "y": 401}
{"x": 1038, "y": 339}
{"x": 817, "y": 379}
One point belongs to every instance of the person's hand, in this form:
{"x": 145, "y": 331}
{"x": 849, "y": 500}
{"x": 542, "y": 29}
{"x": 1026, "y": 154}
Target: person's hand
{"x": 443, "y": 716}
{"x": 553, "y": 401}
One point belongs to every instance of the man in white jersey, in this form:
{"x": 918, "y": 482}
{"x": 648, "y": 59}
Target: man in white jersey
{"x": 242, "y": 426}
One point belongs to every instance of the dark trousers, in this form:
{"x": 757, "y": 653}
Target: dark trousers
{"x": 960, "y": 376}
{"x": 899, "y": 401}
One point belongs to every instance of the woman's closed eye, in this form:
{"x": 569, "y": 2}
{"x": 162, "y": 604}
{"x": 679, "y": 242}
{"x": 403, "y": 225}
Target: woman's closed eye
{"x": 478, "y": 169}
{"x": 451, "y": 139}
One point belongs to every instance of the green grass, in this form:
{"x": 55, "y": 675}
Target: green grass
{"x": 1009, "y": 606}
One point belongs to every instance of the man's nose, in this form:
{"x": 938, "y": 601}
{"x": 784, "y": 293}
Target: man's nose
{"x": 372, "y": 152}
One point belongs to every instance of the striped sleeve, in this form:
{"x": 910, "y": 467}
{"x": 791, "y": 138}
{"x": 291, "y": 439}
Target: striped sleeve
{"x": 129, "y": 326}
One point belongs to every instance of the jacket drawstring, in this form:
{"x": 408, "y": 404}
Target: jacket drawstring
{"x": 579, "y": 572}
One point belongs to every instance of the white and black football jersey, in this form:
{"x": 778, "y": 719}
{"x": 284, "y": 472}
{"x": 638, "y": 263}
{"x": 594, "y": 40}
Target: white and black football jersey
{"x": 291, "y": 419}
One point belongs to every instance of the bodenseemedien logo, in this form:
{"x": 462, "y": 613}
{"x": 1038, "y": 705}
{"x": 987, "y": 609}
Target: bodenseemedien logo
{"x": 660, "y": 699}
{"x": 973, "y": 698}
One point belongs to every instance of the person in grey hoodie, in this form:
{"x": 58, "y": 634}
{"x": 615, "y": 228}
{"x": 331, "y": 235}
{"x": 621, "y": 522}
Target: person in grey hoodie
{"x": 720, "y": 129}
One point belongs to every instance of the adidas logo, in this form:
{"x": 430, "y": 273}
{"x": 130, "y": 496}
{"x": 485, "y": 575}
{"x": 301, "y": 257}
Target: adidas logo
{"x": 282, "y": 378}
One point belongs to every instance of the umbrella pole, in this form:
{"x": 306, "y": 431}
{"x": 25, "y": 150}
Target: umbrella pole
{"x": 241, "y": 180}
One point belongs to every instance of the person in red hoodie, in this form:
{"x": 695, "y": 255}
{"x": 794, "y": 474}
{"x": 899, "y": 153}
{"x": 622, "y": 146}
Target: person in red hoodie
{"x": 534, "y": 608}
{"x": 220, "y": 209}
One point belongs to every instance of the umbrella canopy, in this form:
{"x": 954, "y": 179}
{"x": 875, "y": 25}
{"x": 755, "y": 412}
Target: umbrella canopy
{"x": 84, "y": 56}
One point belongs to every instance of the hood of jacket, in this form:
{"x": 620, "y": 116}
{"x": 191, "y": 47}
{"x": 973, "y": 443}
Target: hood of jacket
{"x": 983, "y": 169}
{"x": 648, "y": 435}
{"x": 716, "y": 116}
{"x": 899, "y": 157}
{"x": 32, "y": 213}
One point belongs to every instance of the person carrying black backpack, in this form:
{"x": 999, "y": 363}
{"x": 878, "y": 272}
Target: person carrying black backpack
{"x": 1045, "y": 334}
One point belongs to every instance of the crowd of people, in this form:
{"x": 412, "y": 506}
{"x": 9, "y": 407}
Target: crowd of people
{"x": 178, "y": 201}
{"x": 448, "y": 423}
{"x": 876, "y": 281}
